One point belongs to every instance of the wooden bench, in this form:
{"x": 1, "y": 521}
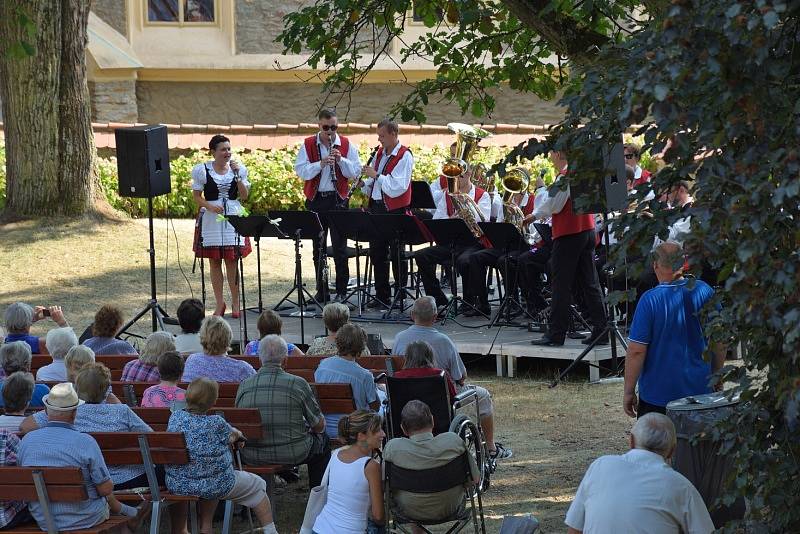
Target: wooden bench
{"x": 147, "y": 449}
{"x": 47, "y": 485}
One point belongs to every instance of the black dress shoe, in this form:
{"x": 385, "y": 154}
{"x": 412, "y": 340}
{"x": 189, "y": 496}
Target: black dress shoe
{"x": 478, "y": 311}
{"x": 376, "y": 304}
{"x": 547, "y": 341}
{"x": 597, "y": 334}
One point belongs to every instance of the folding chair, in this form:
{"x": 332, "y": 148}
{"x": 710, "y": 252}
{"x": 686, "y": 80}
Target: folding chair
{"x": 426, "y": 481}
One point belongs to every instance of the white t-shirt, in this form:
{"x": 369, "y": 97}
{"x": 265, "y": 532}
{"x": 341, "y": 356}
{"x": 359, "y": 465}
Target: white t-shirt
{"x": 637, "y": 492}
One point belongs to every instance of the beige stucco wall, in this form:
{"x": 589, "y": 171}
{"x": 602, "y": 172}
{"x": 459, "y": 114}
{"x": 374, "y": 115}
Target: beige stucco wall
{"x": 252, "y": 103}
{"x": 259, "y": 23}
{"x": 113, "y": 13}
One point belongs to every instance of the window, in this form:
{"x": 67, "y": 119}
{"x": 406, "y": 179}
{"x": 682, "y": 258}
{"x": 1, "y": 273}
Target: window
{"x": 181, "y": 12}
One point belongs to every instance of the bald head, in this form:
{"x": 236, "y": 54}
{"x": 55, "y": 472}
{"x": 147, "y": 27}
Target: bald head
{"x": 654, "y": 432}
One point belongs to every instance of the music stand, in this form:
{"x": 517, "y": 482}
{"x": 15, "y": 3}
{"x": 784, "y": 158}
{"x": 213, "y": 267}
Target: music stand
{"x": 421, "y": 196}
{"x": 452, "y": 233}
{"x": 506, "y": 236}
{"x": 297, "y": 225}
{"x": 255, "y": 226}
{"x": 356, "y": 226}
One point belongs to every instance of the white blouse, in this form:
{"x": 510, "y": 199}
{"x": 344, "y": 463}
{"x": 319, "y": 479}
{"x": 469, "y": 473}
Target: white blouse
{"x": 216, "y": 234}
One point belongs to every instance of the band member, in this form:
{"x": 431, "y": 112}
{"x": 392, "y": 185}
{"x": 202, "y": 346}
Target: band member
{"x": 326, "y": 162}
{"x": 573, "y": 261}
{"x": 428, "y": 258}
{"x": 632, "y": 154}
{"x": 218, "y": 186}
{"x": 388, "y": 188}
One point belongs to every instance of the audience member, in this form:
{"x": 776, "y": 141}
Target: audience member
{"x": 16, "y": 357}
{"x": 343, "y": 369}
{"x": 60, "y": 444}
{"x": 58, "y": 341}
{"x": 666, "y": 340}
{"x": 76, "y": 359}
{"x": 190, "y": 316}
{"x": 294, "y": 428}
{"x": 269, "y": 322}
{"x": 419, "y": 363}
{"x": 145, "y": 368}
{"x": 214, "y": 362}
{"x": 12, "y": 513}
{"x": 19, "y": 318}
{"x": 335, "y": 315}
{"x": 166, "y": 392}
{"x": 638, "y": 491}
{"x": 355, "y": 485}
{"x": 420, "y": 451}
{"x": 94, "y": 415}
{"x": 17, "y": 394}
{"x": 107, "y": 323}
{"x": 210, "y": 474}
{"x": 446, "y": 357}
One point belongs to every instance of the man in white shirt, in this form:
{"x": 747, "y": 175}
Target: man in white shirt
{"x": 388, "y": 188}
{"x": 326, "y": 162}
{"x": 638, "y": 491}
{"x": 428, "y": 258}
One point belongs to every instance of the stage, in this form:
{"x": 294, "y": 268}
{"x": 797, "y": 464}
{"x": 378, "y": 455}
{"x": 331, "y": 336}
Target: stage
{"x": 507, "y": 343}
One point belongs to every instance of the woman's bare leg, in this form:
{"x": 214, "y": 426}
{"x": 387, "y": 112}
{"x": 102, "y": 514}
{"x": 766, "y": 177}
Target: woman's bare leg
{"x": 215, "y": 266}
{"x": 205, "y": 510}
{"x": 231, "y": 268}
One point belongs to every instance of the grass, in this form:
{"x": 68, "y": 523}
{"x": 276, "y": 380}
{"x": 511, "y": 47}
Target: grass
{"x": 80, "y": 265}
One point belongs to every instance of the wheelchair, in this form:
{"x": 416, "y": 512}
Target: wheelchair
{"x": 458, "y": 415}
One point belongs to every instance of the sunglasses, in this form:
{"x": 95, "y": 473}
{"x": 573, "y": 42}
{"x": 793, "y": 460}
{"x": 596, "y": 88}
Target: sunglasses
{"x": 630, "y": 156}
{"x": 331, "y": 127}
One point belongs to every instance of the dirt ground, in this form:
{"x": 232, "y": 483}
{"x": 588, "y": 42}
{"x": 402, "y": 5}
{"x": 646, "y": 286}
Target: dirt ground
{"x": 555, "y": 433}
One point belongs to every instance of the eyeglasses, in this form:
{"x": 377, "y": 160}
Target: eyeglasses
{"x": 331, "y": 127}
{"x": 630, "y": 156}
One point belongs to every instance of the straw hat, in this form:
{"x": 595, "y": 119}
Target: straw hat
{"x": 62, "y": 398}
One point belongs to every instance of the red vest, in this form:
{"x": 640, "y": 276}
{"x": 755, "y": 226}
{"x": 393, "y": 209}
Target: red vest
{"x": 643, "y": 178}
{"x": 404, "y": 200}
{"x": 566, "y": 222}
{"x": 443, "y": 182}
{"x": 312, "y": 151}
{"x": 528, "y": 209}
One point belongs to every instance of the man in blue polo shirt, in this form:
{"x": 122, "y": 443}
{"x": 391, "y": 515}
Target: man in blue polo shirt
{"x": 666, "y": 341}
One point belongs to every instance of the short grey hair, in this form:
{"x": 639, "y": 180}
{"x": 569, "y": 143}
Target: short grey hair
{"x": 18, "y": 318}
{"x": 59, "y": 341}
{"x": 15, "y": 356}
{"x": 77, "y": 358}
{"x": 669, "y": 255}
{"x": 272, "y": 349}
{"x": 654, "y": 432}
{"x": 424, "y": 309}
{"x": 155, "y": 345}
{"x": 335, "y": 315}
{"x": 18, "y": 391}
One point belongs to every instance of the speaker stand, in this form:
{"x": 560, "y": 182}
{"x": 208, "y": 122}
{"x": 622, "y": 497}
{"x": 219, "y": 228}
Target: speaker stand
{"x": 153, "y": 307}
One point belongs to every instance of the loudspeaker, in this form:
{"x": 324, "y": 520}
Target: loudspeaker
{"x": 143, "y": 161}
{"x": 600, "y": 185}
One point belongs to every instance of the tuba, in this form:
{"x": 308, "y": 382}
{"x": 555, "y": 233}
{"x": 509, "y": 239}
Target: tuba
{"x": 517, "y": 181}
{"x": 467, "y": 139}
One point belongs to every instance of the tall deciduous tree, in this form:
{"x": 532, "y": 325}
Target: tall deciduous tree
{"x": 46, "y": 107}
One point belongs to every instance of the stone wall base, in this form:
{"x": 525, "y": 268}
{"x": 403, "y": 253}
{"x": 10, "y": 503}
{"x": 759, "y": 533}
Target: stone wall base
{"x": 114, "y": 101}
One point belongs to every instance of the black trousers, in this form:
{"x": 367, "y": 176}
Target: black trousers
{"x": 478, "y": 264}
{"x": 381, "y": 253}
{"x": 317, "y": 459}
{"x": 428, "y": 258}
{"x": 322, "y": 204}
{"x": 525, "y": 269}
{"x": 645, "y": 408}
{"x": 573, "y": 265}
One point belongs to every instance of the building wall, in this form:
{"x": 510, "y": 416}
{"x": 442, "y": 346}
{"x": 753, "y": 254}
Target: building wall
{"x": 259, "y": 23}
{"x": 113, "y": 13}
{"x": 253, "y": 103}
{"x": 114, "y": 101}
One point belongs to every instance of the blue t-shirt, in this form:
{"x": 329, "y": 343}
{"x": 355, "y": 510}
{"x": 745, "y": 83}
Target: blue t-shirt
{"x": 666, "y": 320}
{"x": 39, "y": 391}
{"x": 32, "y": 341}
{"x": 336, "y": 370}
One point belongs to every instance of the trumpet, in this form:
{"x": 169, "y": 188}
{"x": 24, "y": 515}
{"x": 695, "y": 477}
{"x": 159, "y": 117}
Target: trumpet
{"x": 515, "y": 182}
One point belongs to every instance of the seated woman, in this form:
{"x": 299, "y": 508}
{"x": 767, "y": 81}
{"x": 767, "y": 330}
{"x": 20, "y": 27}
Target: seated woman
{"x": 16, "y": 357}
{"x": 16, "y": 397}
{"x": 107, "y": 322}
{"x": 59, "y": 341}
{"x": 334, "y": 315}
{"x": 209, "y": 473}
{"x": 12, "y": 513}
{"x": 76, "y": 359}
{"x": 144, "y": 369}
{"x": 163, "y": 394}
{"x": 190, "y": 316}
{"x": 269, "y": 323}
{"x": 419, "y": 363}
{"x": 355, "y": 487}
{"x": 214, "y": 362}
{"x": 19, "y": 318}
{"x": 343, "y": 369}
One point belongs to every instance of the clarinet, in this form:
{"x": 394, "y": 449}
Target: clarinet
{"x": 333, "y": 163}
{"x": 357, "y": 181}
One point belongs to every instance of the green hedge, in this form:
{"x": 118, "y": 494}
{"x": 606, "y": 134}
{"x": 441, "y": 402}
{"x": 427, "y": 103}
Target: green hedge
{"x": 274, "y": 184}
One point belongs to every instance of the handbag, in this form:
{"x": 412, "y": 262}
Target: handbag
{"x": 317, "y": 498}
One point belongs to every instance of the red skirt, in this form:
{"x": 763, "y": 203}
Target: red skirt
{"x": 228, "y": 252}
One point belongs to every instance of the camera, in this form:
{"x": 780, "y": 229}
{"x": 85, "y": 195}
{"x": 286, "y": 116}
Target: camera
{"x": 45, "y": 312}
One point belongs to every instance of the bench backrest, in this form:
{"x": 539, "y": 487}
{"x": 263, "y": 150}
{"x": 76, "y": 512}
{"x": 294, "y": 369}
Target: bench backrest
{"x": 64, "y": 484}
{"x": 122, "y": 448}
{"x": 248, "y": 420}
{"x": 373, "y": 363}
{"x": 334, "y": 398}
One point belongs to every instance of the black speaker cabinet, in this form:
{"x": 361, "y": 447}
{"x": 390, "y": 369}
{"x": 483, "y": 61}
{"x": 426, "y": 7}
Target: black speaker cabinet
{"x": 143, "y": 161}
{"x": 600, "y": 187}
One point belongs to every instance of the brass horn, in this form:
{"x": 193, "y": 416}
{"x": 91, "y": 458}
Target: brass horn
{"x": 467, "y": 139}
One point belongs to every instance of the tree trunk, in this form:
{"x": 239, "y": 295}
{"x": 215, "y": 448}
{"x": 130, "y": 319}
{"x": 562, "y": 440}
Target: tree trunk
{"x": 46, "y": 109}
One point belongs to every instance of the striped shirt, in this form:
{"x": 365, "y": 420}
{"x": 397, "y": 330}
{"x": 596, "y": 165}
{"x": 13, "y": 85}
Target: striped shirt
{"x": 9, "y": 444}
{"x": 138, "y": 371}
{"x": 60, "y": 445}
{"x": 288, "y": 407}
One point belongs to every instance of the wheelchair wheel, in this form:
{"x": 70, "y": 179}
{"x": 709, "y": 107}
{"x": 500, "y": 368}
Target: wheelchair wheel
{"x": 469, "y": 432}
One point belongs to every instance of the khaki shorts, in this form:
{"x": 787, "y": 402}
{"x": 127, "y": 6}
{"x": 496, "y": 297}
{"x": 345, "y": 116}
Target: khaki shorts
{"x": 248, "y": 490}
{"x": 485, "y": 404}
